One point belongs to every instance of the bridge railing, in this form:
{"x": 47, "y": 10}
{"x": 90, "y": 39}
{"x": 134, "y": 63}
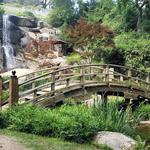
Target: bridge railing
{"x": 68, "y": 76}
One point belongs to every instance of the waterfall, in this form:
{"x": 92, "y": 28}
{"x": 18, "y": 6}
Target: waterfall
{"x": 8, "y": 48}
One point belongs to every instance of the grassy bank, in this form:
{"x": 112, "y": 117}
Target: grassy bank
{"x": 35, "y": 142}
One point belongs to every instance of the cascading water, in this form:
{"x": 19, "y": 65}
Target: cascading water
{"x": 8, "y": 49}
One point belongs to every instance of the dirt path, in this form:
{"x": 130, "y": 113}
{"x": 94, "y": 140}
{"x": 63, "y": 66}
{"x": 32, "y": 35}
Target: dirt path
{"x": 8, "y": 143}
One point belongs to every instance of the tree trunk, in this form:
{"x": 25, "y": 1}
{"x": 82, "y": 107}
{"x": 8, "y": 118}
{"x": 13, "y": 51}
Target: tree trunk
{"x": 140, "y": 20}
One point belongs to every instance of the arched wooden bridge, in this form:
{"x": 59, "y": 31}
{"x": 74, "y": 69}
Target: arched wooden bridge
{"x": 49, "y": 86}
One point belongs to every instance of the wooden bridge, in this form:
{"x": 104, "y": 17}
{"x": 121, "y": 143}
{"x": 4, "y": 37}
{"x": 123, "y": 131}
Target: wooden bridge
{"x": 50, "y": 86}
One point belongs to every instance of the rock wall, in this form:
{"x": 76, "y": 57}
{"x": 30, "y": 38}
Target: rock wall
{"x": 17, "y": 30}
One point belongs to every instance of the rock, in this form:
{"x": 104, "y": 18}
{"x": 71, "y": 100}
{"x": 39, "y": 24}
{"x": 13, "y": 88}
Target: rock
{"x": 23, "y": 22}
{"x": 143, "y": 129}
{"x": 25, "y": 41}
{"x": 116, "y": 141}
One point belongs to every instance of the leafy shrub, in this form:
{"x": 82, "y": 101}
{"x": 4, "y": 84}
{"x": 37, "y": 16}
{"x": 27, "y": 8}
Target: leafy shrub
{"x": 142, "y": 113}
{"x": 27, "y": 14}
{"x": 74, "y": 58}
{"x": 68, "y": 122}
{"x": 140, "y": 145}
{"x": 25, "y": 117}
{"x": 3, "y": 120}
{"x": 5, "y": 96}
{"x": 76, "y": 123}
{"x": 136, "y": 48}
{"x": 6, "y": 78}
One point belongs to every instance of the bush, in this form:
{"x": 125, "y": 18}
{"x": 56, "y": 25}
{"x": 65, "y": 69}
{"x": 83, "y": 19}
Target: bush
{"x": 5, "y": 96}
{"x": 110, "y": 119}
{"x": 74, "y": 58}
{"x": 3, "y": 120}
{"x": 69, "y": 122}
{"x": 136, "y": 48}
{"x": 142, "y": 113}
{"x": 26, "y": 118}
{"x": 75, "y": 123}
{"x": 27, "y": 14}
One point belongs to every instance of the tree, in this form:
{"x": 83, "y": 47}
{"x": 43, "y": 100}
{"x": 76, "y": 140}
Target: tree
{"x": 92, "y": 38}
{"x": 45, "y": 3}
{"x": 134, "y": 12}
{"x": 62, "y": 12}
{"x": 141, "y": 5}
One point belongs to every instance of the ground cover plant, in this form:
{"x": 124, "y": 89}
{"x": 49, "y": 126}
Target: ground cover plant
{"x": 31, "y": 141}
{"x": 77, "y": 123}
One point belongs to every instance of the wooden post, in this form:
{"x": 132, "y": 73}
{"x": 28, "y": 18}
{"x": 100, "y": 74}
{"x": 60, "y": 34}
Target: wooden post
{"x": 94, "y": 74}
{"x": 68, "y": 81}
{"x": 129, "y": 77}
{"x": 53, "y": 84}
{"x": 33, "y": 86}
{"x": 13, "y": 89}
{"x": 1, "y": 84}
{"x": 107, "y": 73}
{"x": 82, "y": 78}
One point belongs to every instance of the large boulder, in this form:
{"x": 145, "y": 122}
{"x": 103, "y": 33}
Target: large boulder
{"x": 24, "y": 22}
{"x": 116, "y": 141}
{"x": 143, "y": 129}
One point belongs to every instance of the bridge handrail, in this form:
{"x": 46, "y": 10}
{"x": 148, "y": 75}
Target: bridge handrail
{"x": 76, "y": 66}
{"x": 57, "y": 75}
{"x": 70, "y": 77}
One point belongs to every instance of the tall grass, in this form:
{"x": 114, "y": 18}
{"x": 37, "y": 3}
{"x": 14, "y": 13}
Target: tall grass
{"x": 77, "y": 123}
{"x": 110, "y": 119}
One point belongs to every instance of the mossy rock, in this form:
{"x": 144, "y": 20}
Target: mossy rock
{"x": 143, "y": 129}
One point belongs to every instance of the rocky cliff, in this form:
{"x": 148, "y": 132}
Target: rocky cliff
{"x": 17, "y": 32}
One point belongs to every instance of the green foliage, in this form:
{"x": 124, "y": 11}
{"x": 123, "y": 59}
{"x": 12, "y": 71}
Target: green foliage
{"x": 71, "y": 123}
{"x": 27, "y": 14}
{"x": 35, "y": 142}
{"x": 101, "y": 9}
{"x": 140, "y": 145}
{"x": 77, "y": 123}
{"x": 143, "y": 112}
{"x": 113, "y": 20}
{"x": 5, "y": 96}
{"x": 3, "y": 120}
{"x": 136, "y": 48}
{"x": 118, "y": 54}
{"x": 110, "y": 119}
{"x": 2, "y": 11}
{"x": 63, "y": 12}
{"x": 5, "y": 78}
{"x": 74, "y": 58}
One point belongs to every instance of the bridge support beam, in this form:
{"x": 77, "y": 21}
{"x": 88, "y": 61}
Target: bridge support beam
{"x": 104, "y": 99}
{"x": 13, "y": 89}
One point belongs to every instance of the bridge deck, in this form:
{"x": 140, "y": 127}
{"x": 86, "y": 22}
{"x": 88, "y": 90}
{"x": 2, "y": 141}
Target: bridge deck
{"x": 53, "y": 85}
